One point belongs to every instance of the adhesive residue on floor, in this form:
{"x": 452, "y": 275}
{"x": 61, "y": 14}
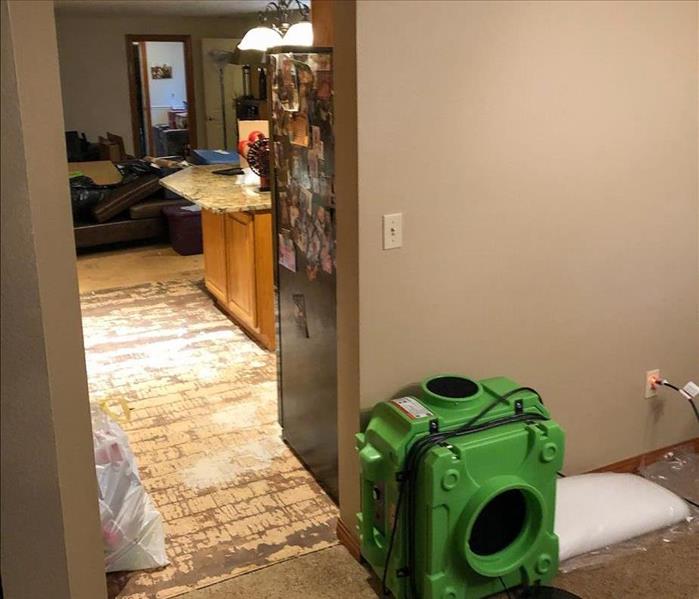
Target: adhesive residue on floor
{"x": 205, "y": 434}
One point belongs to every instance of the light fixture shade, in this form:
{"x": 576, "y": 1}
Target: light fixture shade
{"x": 299, "y": 34}
{"x": 260, "y": 38}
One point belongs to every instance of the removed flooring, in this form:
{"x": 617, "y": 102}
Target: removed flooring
{"x": 205, "y": 435}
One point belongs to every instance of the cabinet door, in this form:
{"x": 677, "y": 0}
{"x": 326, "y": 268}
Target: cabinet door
{"x": 214, "y": 239}
{"x": 264, "y": 275}
{"x": 240, "y": 246}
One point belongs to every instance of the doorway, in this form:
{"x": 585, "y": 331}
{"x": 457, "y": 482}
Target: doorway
{"x": 200, "y": 396}
{"x": 223, "y": 84}
{"x": 161, "y": 91}
{"x": 256, "y": 523}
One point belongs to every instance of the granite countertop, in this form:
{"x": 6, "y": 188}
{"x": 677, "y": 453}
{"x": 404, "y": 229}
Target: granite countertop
{"x": 217, "y": 193}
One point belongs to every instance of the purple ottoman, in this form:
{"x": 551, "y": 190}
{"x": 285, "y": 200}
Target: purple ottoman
{"x": 184, "y": 223}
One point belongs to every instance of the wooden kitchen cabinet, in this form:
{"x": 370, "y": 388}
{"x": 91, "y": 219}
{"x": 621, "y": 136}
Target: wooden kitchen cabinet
{"x": 240, "y": 247}
{"x": 238, "y": 269}
{"x": 214, "y": 243}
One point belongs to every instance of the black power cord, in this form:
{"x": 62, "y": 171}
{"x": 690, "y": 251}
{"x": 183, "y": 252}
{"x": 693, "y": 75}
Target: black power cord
{"x": 407, "y": 479}
{"x": 666, "y": 383}
{"x": 504, "y": 586}
{"x": 391, "y": 543}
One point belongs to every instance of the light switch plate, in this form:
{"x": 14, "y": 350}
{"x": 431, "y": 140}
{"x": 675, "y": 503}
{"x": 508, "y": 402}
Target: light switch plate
{"x": 392, "y": 231}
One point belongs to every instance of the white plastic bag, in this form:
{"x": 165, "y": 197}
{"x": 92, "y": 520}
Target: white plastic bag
{"x": 597, "y": 510}
{"x": 132, "y": 529}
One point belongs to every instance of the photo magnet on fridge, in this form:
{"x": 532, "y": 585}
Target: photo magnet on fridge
{"x": 324, "y": 84}
{"x": 288, "y": 85}
{"x": 299, "y": 130}
{"x": 300, "y": 237}
{"x": 312, "y": 272}
{"x": 299, "y": 166}
{"x": 313, "y": 165}
{"x": 315, "y": 138}
{"x": 320, "y": 62}
{"x": 314, "y": 247}
{"x": 300, "y": 313}
{"x": 306, "y": 200}
{"x": 284, "y": 215}
{"x": 287, "y": 251}
{"x": 326, "y": 258}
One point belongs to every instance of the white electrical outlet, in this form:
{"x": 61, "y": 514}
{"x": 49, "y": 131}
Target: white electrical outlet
{"x": 392, "y": 231}
{"x": 651, "y": 390}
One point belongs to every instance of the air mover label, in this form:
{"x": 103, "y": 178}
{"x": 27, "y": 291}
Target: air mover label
{"x": 412, "y": 407}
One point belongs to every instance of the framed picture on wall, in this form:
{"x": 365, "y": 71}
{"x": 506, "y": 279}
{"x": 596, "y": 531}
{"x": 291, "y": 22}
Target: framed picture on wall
{"x": 163, "y": 71}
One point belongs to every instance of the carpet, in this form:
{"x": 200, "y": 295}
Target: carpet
{"x": 204, "y": 431}
{"x": 662, "y": 571}
{"x": 663, "y": 567}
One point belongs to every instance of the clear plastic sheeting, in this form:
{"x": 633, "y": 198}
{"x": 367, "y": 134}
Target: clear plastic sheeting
{"x": 132, "y": 529}
{"x": 637, "y": 545}
{"x": 677, "y": 472}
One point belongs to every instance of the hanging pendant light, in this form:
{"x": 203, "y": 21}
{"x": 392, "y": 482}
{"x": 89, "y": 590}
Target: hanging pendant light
{"x": 299, "y": 34}
{"x": 275, "y": 30}
{"x": 260, "y": 38}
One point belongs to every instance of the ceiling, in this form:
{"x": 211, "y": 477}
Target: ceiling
{"x": 172, "y": 8}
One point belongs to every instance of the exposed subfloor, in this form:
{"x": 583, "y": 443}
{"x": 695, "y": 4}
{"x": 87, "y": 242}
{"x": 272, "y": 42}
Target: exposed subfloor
{"x": 203, "y": 429}
{"x": 663, "y": 571}
{"x": 125, "y": 267}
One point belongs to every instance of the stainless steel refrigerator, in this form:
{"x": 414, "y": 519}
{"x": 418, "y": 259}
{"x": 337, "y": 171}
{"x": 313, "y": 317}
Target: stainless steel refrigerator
{"x": 301, "y": 132}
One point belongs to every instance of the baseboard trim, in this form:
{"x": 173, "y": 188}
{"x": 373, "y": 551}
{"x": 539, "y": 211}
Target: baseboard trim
{"x": 349, "y": 540}
{"x": 634, "y": 464}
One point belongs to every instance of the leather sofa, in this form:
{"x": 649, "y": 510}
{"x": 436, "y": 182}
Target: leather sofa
{"x": 129, "y": 212}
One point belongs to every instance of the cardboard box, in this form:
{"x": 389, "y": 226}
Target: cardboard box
{"x": 102, "y": 172}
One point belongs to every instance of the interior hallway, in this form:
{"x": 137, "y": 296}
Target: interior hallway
{"x": 118, "y": 301}
{"x": 203, "y": 428}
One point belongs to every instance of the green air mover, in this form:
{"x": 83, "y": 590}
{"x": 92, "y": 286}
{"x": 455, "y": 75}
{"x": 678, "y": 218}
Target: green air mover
{"x": 458, "y": 489}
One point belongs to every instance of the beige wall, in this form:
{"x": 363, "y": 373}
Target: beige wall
{"x": 545, "y": 158}
{"x": 345, "y": 63}
{"x": 94, "y": 77}
{"x": 51, "y": 545}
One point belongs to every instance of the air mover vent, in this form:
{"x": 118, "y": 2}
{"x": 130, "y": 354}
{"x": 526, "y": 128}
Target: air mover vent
{"x": 499, "y": 523}
{"x": 453, "y": 387}
{"x": 467, "y": 519}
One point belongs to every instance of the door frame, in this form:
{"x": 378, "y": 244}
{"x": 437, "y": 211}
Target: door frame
{"x": 144, "y": 110}
{"x": 189, "y": 75}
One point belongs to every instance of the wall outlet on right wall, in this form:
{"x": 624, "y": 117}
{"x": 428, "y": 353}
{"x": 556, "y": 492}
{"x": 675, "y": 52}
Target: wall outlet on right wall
{"x": 651, "y": 389}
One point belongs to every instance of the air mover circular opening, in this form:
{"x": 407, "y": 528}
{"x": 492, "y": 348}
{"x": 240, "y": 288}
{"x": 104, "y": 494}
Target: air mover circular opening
{"x": 451, "y": 387}
{"x": 499, "y": 523}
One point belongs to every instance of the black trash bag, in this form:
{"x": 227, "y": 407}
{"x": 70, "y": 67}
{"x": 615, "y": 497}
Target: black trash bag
{"x": 84, "y": 195}
{"x": 133, "y": 169}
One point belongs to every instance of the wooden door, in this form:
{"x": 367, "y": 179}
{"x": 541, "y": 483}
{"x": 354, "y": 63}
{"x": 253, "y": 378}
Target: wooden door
{"x": 213, "y": 66}
{"x": 214, "y": 239}
{"x": 240, "y": 247}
